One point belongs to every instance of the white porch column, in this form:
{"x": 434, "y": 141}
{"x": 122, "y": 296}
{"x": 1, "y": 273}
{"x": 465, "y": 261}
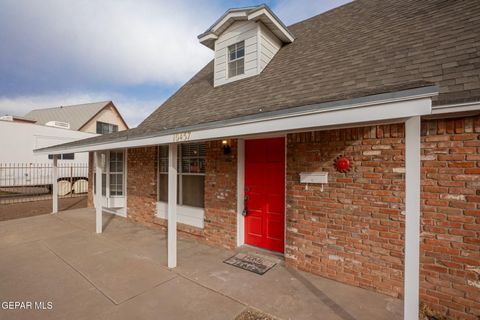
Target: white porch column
{"x": 412, "y": 218}
{"x": 98, "y": 194}
{"x": 172, "y": 206}
{"x": 55, "y": 184}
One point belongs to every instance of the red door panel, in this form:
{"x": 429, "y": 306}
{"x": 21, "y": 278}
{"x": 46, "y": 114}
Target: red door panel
{"x": 265, "y": 192}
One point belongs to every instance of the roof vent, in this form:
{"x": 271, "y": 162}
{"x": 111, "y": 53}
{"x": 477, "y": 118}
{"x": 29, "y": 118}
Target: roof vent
{"x": 6, "y": 118}
{"x": 58, "y": 124}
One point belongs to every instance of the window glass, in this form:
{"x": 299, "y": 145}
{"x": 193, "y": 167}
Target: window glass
{"x": 193, "y": 190}
{"x": 191, "y": 174}
{"x": 116, "y": 173}
{"x": 103, "y": 127}
{"x": 64, "y": 156}
{"x": 104, "y": 184}
{"x": 236, "y": 59}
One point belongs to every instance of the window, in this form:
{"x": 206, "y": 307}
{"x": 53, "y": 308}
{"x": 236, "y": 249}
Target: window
{"x": 64, "y": 156}
{"x": 112, "y": 175}
{"x": 191, "y": 174}
{"x": 116, "y": 173}
{"x": 103, "y": 127}
{"x": 236, "y": 59}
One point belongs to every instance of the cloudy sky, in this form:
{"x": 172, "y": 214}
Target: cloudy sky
{"x": 133, "y": 52}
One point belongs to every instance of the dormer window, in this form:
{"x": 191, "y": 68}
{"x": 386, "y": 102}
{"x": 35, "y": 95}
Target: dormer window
{"x": 236, "y": 59}
{"x": 244, "y": 41}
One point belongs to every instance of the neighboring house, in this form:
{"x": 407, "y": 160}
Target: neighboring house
{"x": 46, "y": 127}
{"x": 98, "y": 117}
{"x": 332, "y": 141}
{"x": 19, "y": 139}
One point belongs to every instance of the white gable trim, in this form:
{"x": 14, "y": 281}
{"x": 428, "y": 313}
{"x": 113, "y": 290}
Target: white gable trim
{"x": 209, "y": 37}
{"x": 266, "y": 17}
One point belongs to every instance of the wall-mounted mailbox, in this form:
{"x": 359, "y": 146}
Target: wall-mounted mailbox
{"x": 314, "y": 177}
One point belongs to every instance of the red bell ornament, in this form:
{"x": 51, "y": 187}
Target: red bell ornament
{"x": 342, "y": 164}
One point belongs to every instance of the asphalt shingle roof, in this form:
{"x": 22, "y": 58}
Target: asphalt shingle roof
{"x": 77, "y": 115}
{"x": 362, "y": 48}
{"x": 359, "y": 47}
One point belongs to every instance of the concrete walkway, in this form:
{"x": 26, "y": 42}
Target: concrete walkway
{"x": 122, "y": 274}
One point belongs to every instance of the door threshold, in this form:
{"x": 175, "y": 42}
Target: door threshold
{"x": 261, "y": 251}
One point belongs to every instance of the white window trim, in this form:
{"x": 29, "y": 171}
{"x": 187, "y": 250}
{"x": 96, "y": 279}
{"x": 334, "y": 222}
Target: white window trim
{"x": 228, "y": 61}
{"x": 113, "y": 204}
{"x": 180, "y": 174}
{"x": 191, "y": 216}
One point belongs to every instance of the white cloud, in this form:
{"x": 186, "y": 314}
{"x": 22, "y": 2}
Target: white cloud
{"x": 125, "y": 42}
{"x": 56, "y": 52}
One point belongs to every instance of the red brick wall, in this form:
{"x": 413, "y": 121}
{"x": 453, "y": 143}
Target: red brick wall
{"x": 353, "y": 232}
{"x": 142, "y": 184}
{"x": 450, "y": 251}
{"x": 221, "y": 195}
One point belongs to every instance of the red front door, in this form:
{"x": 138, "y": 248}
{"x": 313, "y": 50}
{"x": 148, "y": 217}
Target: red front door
{"x": 265, "y": 193}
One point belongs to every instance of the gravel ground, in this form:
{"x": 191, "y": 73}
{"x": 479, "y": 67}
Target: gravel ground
{"x": 251, "y": 314}
{"x": 34, "y": 208}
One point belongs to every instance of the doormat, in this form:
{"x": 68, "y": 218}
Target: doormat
{"x": 250, "y": 263}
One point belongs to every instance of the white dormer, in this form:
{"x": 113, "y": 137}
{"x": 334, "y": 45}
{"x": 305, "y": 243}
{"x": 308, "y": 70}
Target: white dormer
{"x": 244, "y": 41}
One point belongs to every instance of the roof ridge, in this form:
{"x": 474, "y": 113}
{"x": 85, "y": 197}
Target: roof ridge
{"x": 72, "y": 105}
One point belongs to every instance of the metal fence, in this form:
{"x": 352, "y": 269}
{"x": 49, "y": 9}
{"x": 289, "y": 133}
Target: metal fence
{"x": 21, "y": 182}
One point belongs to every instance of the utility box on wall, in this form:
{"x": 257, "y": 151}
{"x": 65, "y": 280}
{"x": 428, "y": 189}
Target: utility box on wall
{"x": 314, "y": 177}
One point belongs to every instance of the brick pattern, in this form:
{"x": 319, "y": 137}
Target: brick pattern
{"x": 353, "y": 230}
{"x": 142, "y": 184}
{"x": 450, "y": 250}
{"x": 220, "y": 195}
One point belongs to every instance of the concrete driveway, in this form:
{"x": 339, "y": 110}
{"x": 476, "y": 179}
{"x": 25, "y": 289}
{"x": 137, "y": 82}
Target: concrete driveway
{"x": 59, "y": 263}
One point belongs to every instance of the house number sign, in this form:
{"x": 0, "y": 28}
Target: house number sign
{"x": 182, "y": 136}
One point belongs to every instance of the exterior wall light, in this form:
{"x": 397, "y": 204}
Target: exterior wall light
{"x": 226, "y": 147}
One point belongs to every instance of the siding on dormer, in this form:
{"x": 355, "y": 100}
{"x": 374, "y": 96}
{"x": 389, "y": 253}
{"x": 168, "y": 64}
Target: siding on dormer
{"x": 260, "y": 47}
{"x": 269, "y": 46}
{"x": 239, "y": 31}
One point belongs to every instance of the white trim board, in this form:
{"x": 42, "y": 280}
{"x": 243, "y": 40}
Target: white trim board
{"x": 454, "y": 108}
{"x": 359, "y": 115}
{"x": 185, "y": 214}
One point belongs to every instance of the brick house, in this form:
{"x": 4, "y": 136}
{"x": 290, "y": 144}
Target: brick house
{"x": 348, "y": 142}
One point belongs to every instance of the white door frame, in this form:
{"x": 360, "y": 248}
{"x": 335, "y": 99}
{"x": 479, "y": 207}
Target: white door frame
{"x": 241, "y": 187}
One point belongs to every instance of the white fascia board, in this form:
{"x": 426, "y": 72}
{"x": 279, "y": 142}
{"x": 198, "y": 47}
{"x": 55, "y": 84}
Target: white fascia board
{"x": 257, "y": 14}
{"x": 231, "y": 15}
{"x": 459, "y": 107}
{"x": 360, "y": 115}
{"x": 208, "y": 37}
